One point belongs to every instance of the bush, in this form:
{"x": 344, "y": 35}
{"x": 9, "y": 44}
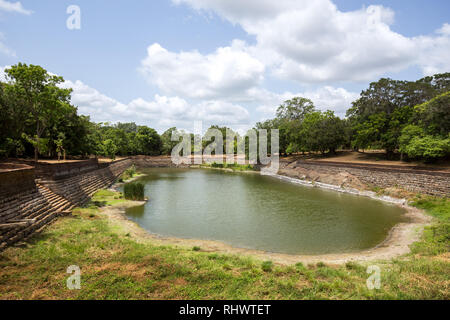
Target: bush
{"x": 134, "y": 191}
{"x": 350, "y": 265}
{"x": 217, "y": 165}
{"x": 267, "y": 266}
{"x": 417, "y": 145}
{"x": 299, "y": 265}
{"x": 233, "y": 166}
{"x": 128, "y": 174}
{"x": 321, "y": 265}
{"x": 429, "y": 148}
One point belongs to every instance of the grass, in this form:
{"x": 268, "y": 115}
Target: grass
{"x": 134, "y": 191}
{"x": 267, "y": 266}
{"x": 232, "y": 166}
{"x": 116, "y": 266}
{"x": 128, "y": 174}
{"x": 106, "y": 198}
{"x": 437, "y": 236}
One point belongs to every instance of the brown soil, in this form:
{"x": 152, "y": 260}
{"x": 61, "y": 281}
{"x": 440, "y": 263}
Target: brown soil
{"x": 342, "y": 179}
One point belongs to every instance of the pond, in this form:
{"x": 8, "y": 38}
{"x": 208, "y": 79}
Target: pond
{"x": 260, "y": 212}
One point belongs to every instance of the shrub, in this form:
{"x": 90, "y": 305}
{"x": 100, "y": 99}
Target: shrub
{"x": 350, "y": 265}
{"x": 417, "y": 145}
{"x": 267, "y": 266}
{"x": 196, "y": 249}
{"x": 134, "y": 191}
{"x": 321, "y": 265}
{"x": 128, "y": 174}
{"x": 299, "y": 265}
{"x": 217, "y": 165}
{"x": 233, "y": 166}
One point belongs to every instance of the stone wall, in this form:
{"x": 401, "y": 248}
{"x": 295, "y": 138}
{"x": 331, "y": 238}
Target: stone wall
{"x": 415, "y": 179}
{"x": 153, "y": 162}
{"x": 27, "y": 204}
{"x": 16, "y": 181}
{"x": 78, "y": 187}
{"x": 57, "y": 171}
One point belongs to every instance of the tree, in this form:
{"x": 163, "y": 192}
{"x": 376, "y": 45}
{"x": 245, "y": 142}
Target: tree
{"x": 109, "y": 148}
{"x": 148, "y": 141}
{"x": 434, "y": 115}
{"x": 428, "y": 147}
{"x": 127, "y": 127}
{"x": 60, "y": 146}
{"x": 394, "y": 101}
{"x": 323, "y": 131}
{"x": 13, "y": 121}
{"x": 41, "y": 94}
{"x": 166, "y": 141}
{"x": 295, "y": 109}
{"x": 275, "y": 124}
{"x": 290, "y": 116}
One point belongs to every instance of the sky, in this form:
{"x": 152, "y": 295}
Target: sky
{"x": 166, "y": 63}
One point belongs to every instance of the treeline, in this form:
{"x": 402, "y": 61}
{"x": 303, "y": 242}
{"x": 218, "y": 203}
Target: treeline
{"x": 37, "y": 119}
{"x": 407, "y": 118}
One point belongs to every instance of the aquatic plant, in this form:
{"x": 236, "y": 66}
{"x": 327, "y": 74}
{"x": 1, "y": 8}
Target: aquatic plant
{"x": 134, "y": 191}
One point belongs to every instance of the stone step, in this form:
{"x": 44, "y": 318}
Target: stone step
{"x": 17, "y": 202}
{"x": 31, "y": 205}
{"x": 49, "y": 200}
{"x": 25, "y": 213}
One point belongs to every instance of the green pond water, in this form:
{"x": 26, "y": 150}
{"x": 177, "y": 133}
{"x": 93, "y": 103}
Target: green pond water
{"x": 261, "y": 212}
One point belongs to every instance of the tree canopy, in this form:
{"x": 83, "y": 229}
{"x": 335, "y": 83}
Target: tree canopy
{"x": 407, "y": 117}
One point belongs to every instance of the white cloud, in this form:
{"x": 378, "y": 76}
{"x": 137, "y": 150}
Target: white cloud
{"x": 163, "y": 112}
{"x": 313, "y": 41}
{"x": 160, "y": 113}
{"x": 227, "y": 71}
{"x": 2, "y": 73}
{"x": 435, "y": 51}
{"x": 10, "y": 7}
{"x": 330, "y": 98}
{"x": 324, "y": 98}
{"x": 4, "y": 49}
{"x": 13, "y": 7}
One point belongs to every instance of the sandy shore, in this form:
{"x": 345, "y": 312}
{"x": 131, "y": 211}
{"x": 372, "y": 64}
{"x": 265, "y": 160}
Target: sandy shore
{"x": 397, "y": 243}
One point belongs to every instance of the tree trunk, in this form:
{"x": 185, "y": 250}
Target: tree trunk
{"x": 389, "y": 154}
{"x": 36, "y": 146}
{"x": 36, "y": 154}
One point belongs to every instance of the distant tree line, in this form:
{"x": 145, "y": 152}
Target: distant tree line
{"x": 37, "y": 119}
{"x": 404, "y": 117}
{"x": 409, "y": 118}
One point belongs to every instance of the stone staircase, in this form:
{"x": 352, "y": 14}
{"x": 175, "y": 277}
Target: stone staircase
{"x": 27, "y": 212}
{"x": 79, "y": 189}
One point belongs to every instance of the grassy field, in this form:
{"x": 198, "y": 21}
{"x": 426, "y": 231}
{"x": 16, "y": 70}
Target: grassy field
{"x": 115, "y": 266}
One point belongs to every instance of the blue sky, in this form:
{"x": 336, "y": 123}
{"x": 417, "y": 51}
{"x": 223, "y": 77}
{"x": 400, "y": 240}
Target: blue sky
{"x": 170, "y": 62}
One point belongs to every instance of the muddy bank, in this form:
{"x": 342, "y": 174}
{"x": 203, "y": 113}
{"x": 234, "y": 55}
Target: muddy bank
{"x": 341, "y": 179}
